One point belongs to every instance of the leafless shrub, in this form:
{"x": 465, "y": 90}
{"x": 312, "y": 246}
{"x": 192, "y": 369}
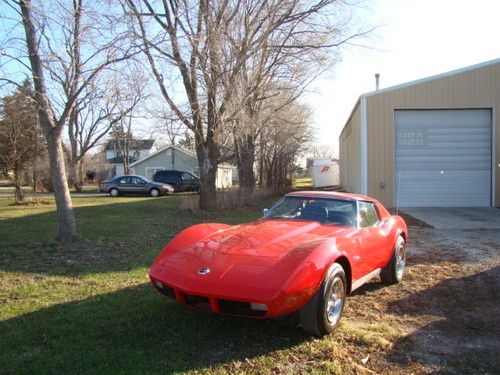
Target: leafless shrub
{"x": 226, "y": 199}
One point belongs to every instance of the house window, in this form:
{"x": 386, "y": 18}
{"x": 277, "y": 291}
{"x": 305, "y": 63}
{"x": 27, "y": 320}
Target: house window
{"x": 150, "y": 172}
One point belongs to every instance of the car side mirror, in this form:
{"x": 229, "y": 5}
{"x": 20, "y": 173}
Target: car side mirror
{"x": 265, "y": 212}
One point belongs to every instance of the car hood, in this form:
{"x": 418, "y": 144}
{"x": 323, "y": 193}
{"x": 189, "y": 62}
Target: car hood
{"x": 248, "y": 255}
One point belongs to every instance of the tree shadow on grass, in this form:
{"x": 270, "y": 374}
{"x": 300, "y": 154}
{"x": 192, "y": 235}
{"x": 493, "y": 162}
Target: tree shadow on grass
{"x": 117, "y": 236}
{"x": 466, "y": 338}
{"x": 133, "y": 330}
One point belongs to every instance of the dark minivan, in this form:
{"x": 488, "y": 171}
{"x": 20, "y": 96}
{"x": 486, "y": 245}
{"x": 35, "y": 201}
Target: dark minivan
{"x": 181, "y": 181}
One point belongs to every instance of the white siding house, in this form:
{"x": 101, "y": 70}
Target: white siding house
{"x": 179, "y": 159}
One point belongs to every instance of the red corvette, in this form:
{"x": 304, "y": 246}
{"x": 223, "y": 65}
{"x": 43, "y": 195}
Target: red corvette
{"x": 308, "y": 252}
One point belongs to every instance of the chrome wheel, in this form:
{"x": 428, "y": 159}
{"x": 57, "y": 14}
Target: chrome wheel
{"x": 335, "y": 300}
{"x": 400, "y": 261}
{"x": 154, "y": 192}
{"x": 113, "y": 192}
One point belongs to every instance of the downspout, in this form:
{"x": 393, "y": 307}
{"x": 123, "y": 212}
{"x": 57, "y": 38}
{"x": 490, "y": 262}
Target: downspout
{"x": 363, "y": 148}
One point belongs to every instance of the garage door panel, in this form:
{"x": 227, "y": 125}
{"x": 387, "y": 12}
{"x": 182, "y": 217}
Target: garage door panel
{"x": 443, "y": 157}
{"x": 469, "y": 193}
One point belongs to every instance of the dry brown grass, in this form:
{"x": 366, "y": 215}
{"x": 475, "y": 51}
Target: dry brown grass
{"x": 35, "y": 202}
{"x": 226, "y": 199}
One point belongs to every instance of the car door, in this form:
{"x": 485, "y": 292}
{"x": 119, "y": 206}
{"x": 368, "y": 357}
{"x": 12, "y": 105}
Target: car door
{"x": 372, "y": 240}
{"x": 124, "y": 185}
{"x": 139, "y": 186}
{"x": 160, "y": 177}
{"x": 172, "y": 179}
{"x": 188, "y": 181}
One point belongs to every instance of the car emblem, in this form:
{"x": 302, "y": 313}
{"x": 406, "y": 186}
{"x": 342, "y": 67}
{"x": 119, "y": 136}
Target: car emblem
{"x": 203, "y": 271}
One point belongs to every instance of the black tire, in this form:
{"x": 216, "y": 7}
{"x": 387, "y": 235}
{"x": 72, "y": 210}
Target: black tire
{"x": 394, "y": 270}
{"x": 318, "y": 317}
{"x": 114, "y": 192}
{"x": 154, "y": 192}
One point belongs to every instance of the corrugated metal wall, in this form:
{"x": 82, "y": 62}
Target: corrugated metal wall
{"x": 349, "y": 151}
{"x": 471, "y": 89}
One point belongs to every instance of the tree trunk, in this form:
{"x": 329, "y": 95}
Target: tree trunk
{"x": 207, "y": 162}
{"x": 35, "y": 177}
{"x": 74, "y": 172}
{"x": 80, "y": 174}
{"x": 52, "y": 130}
{"x": 245, "y": 155}
{"x": 67, "y": 223}
{"x": 19, "y": 196}
{"x": 261, "y": 166}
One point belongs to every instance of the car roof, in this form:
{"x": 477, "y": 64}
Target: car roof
{"x": 330, "y": 194}
{"x": 130, "y": 175}
{"x": 173, "y": 170}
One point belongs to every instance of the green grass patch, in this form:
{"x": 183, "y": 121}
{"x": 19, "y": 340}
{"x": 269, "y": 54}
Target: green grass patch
{"x": 90, "y": 309}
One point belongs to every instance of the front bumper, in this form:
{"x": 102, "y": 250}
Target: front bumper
{"x": 227, "y": 299}
{"x": 166, "y": 191}
{"x": 213, "y": 304}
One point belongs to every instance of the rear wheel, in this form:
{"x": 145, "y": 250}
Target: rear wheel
{"x": 114, "y": 192}
{"x": 394, "y": 270}
{"x": 322, "y": 313}
{"x": 154, "y": 192}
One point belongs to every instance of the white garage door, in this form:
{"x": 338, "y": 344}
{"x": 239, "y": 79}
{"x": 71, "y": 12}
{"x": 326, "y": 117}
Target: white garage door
{"x": 443, "y": 158}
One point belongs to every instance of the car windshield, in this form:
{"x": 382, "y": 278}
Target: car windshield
{"x": 324, "y": 210}
{"x": 147, "y": 180}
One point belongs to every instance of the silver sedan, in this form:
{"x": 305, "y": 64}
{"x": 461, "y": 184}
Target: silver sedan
{"x": 132, "y": 184}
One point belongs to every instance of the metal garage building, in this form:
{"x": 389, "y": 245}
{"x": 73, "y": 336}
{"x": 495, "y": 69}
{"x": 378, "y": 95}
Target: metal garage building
{"x": 434, "y": 142}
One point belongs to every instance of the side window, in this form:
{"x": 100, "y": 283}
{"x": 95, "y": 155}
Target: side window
{"x": 136, "y": 180}
{"x": 152, "y": 173}
{"x": 368, "y": 216}
{"x": 187, "y": 176}
{"x": 124, "y": 180}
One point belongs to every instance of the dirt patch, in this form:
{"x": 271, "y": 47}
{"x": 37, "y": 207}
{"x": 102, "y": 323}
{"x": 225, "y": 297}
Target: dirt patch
{"x": 441, "y": 319}
{"x": 444, "y": 316}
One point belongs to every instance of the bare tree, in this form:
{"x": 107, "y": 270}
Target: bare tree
{"x": 185, "y": 37}
{"x": 43, "y": 30}
{"x": 324, "y": 151}
{"x": 281, "y": 46}
{"x": 21, "y": 139}
{"x": 168, "y": 124}
{"x": 93, "y": 117}
{"x": 287, "y": 134}
{"x": 230, "y": 56}
{"x": 124, "y": 142}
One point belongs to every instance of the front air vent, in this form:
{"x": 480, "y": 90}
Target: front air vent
{"x": 198, "y": 302}
{"x": 239, "y": 308}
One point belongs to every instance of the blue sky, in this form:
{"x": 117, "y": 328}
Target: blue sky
{"x": 415, "y": 39}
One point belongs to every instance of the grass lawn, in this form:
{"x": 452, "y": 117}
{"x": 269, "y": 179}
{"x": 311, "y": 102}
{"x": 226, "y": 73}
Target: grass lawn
{"x": 88, "y": 189}
{"x": 90, "y": 308}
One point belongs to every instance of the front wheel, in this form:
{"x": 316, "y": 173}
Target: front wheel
{"x": 394, "y": 270}
{"x": 114, "y": 192}
{"x": 321, "y": 315}
{"x": 154, "y": 192}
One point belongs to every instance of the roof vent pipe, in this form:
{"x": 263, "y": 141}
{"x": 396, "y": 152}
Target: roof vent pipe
{"x": 377, "y": 79}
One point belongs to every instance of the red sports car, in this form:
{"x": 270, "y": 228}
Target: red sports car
{"x": 308, "y": 252}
